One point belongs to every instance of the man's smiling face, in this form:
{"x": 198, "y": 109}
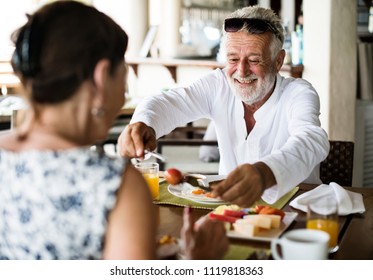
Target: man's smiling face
{"x": 251, "y": 68}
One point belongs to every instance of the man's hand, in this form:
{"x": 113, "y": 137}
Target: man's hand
{"x": 245, "y": 184}
{"x": 136, "y": 138}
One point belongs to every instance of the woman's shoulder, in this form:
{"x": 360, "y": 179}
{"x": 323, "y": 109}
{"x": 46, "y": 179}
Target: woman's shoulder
{"x": 8, "y": 140}
{"x": 76, "y": 160}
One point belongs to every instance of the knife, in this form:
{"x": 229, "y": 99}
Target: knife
{"x": 197, "y": 181}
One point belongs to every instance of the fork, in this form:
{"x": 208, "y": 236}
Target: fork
{"x": 148, "y": 154}
{"x": 197, "y": 182}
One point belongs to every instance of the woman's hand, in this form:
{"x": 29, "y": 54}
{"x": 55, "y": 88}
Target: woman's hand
{"x": 205, "y": 239}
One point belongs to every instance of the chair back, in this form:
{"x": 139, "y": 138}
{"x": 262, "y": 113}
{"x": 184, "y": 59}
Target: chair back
{"x": 338, "y": 165}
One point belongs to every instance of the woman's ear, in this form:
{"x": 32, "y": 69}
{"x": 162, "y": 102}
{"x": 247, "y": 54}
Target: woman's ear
{"x": 100, "y": 79}
{"x": 101, "y": 73}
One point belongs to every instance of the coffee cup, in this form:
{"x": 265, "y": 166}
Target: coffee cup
{"x": 301, "y": 244}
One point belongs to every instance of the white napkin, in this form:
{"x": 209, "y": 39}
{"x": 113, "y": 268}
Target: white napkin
{"x": 348, "y": 202}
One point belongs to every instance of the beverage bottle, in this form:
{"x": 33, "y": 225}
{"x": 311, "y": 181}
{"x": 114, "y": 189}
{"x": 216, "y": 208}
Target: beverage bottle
{"x": 287, "y": 43}
{"x": 370, "y": 25}
{"x": 299, "y": 30}
{"x": 297, "y": 45}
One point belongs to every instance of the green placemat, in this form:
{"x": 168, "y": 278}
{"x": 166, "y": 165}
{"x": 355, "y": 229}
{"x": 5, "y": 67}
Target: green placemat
{"x": 169, "y": 199}
{"x": 241, "y": 252}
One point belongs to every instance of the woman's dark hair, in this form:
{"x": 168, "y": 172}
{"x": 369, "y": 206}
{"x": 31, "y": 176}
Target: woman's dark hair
{"x": 59, "y": 46}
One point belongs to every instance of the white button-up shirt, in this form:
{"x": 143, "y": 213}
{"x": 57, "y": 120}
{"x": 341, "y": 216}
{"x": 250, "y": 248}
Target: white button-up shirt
{"x": 287, "y": 135}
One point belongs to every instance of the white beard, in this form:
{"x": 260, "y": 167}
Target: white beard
{"x": 251, "y": 94}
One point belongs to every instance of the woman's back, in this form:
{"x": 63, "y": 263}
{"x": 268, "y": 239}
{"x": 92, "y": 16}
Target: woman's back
{"x": 55, "y": 204}
{"x": 59, "y": 199}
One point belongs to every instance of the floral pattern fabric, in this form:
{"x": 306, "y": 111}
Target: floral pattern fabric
{"x": 55, "y": 204}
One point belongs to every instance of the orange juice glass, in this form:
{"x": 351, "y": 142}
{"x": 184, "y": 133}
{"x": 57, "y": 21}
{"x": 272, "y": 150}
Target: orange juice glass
{"x": 150, "y": 171}
{"x": 322, "y": 214}
{"x": 329, "y": 226}
{"x": 153, "y": 183}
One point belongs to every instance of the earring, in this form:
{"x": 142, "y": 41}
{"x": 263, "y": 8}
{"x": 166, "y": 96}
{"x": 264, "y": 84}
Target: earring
{"x": 98, "y": 112}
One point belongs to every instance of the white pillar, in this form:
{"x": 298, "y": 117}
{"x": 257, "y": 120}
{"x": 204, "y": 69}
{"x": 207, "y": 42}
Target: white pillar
{"x": 288, "y": 12}
{"x": 155, "y": 10}
{"x": 132, "y": 16}
{"x": 169, "y": 35}
{"x": 264, "y": 3}
{"x": 330, "y": 62}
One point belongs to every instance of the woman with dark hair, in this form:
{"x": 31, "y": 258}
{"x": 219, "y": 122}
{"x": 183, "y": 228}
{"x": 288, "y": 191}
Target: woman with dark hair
{"x": 59, "y": 199}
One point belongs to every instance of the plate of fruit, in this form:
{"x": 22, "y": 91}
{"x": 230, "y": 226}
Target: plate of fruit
{"x": 262, "y": 223}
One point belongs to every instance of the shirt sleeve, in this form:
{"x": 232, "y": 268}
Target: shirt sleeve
{"x": 176, "y": 107}
{"x": 306, "y": 146}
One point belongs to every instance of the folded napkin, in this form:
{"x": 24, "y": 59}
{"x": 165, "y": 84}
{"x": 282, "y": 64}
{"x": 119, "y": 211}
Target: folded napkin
{"x": 348, "y": 202}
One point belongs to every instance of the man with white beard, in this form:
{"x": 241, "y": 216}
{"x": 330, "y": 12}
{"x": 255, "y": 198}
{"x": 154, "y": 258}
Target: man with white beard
{"x": 267, "y": 126}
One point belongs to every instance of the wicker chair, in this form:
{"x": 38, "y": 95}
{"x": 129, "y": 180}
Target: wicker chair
{"x": 338, "y": 166}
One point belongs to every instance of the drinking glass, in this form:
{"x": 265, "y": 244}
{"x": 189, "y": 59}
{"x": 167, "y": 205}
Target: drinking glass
{"x": 150, "y": 171}
{"x": 322, "y": 214}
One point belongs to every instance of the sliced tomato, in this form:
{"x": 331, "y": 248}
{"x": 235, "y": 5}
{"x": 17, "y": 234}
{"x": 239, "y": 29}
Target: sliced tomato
{"x": 233, "y": 213}
{"x": 223, "y": 218}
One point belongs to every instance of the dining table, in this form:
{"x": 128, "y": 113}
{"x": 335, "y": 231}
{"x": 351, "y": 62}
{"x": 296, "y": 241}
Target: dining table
{"x": 355, "y": 237}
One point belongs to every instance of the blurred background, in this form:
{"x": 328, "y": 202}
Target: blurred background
{"x": 174, "y": 42}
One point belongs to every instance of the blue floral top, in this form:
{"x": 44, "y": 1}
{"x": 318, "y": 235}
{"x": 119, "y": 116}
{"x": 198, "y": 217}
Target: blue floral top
{"x": 55, "y": 204}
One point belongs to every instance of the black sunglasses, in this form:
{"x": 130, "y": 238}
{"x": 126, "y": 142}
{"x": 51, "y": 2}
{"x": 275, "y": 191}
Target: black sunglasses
{"x": 25, "y": 57}
{"x": 253, "y": 25}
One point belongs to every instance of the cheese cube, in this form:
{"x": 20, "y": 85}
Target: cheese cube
{"x": 246, "y": 229}
{"x": 275, "y": 220}
{"x": 261, "y": 221}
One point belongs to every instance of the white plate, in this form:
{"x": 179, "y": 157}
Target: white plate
{"x": 184, "y": 190}
{"x": 267, "y": 235}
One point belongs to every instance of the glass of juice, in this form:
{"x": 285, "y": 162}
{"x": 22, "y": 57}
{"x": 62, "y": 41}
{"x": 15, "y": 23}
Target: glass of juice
{"x": 150, "y": 171}
{"x": 322, "y": 214}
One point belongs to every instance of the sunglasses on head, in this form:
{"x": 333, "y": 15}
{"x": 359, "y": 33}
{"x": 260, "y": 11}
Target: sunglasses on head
{"x": 253, "y": 25}
{"x": 25, "y": 56}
